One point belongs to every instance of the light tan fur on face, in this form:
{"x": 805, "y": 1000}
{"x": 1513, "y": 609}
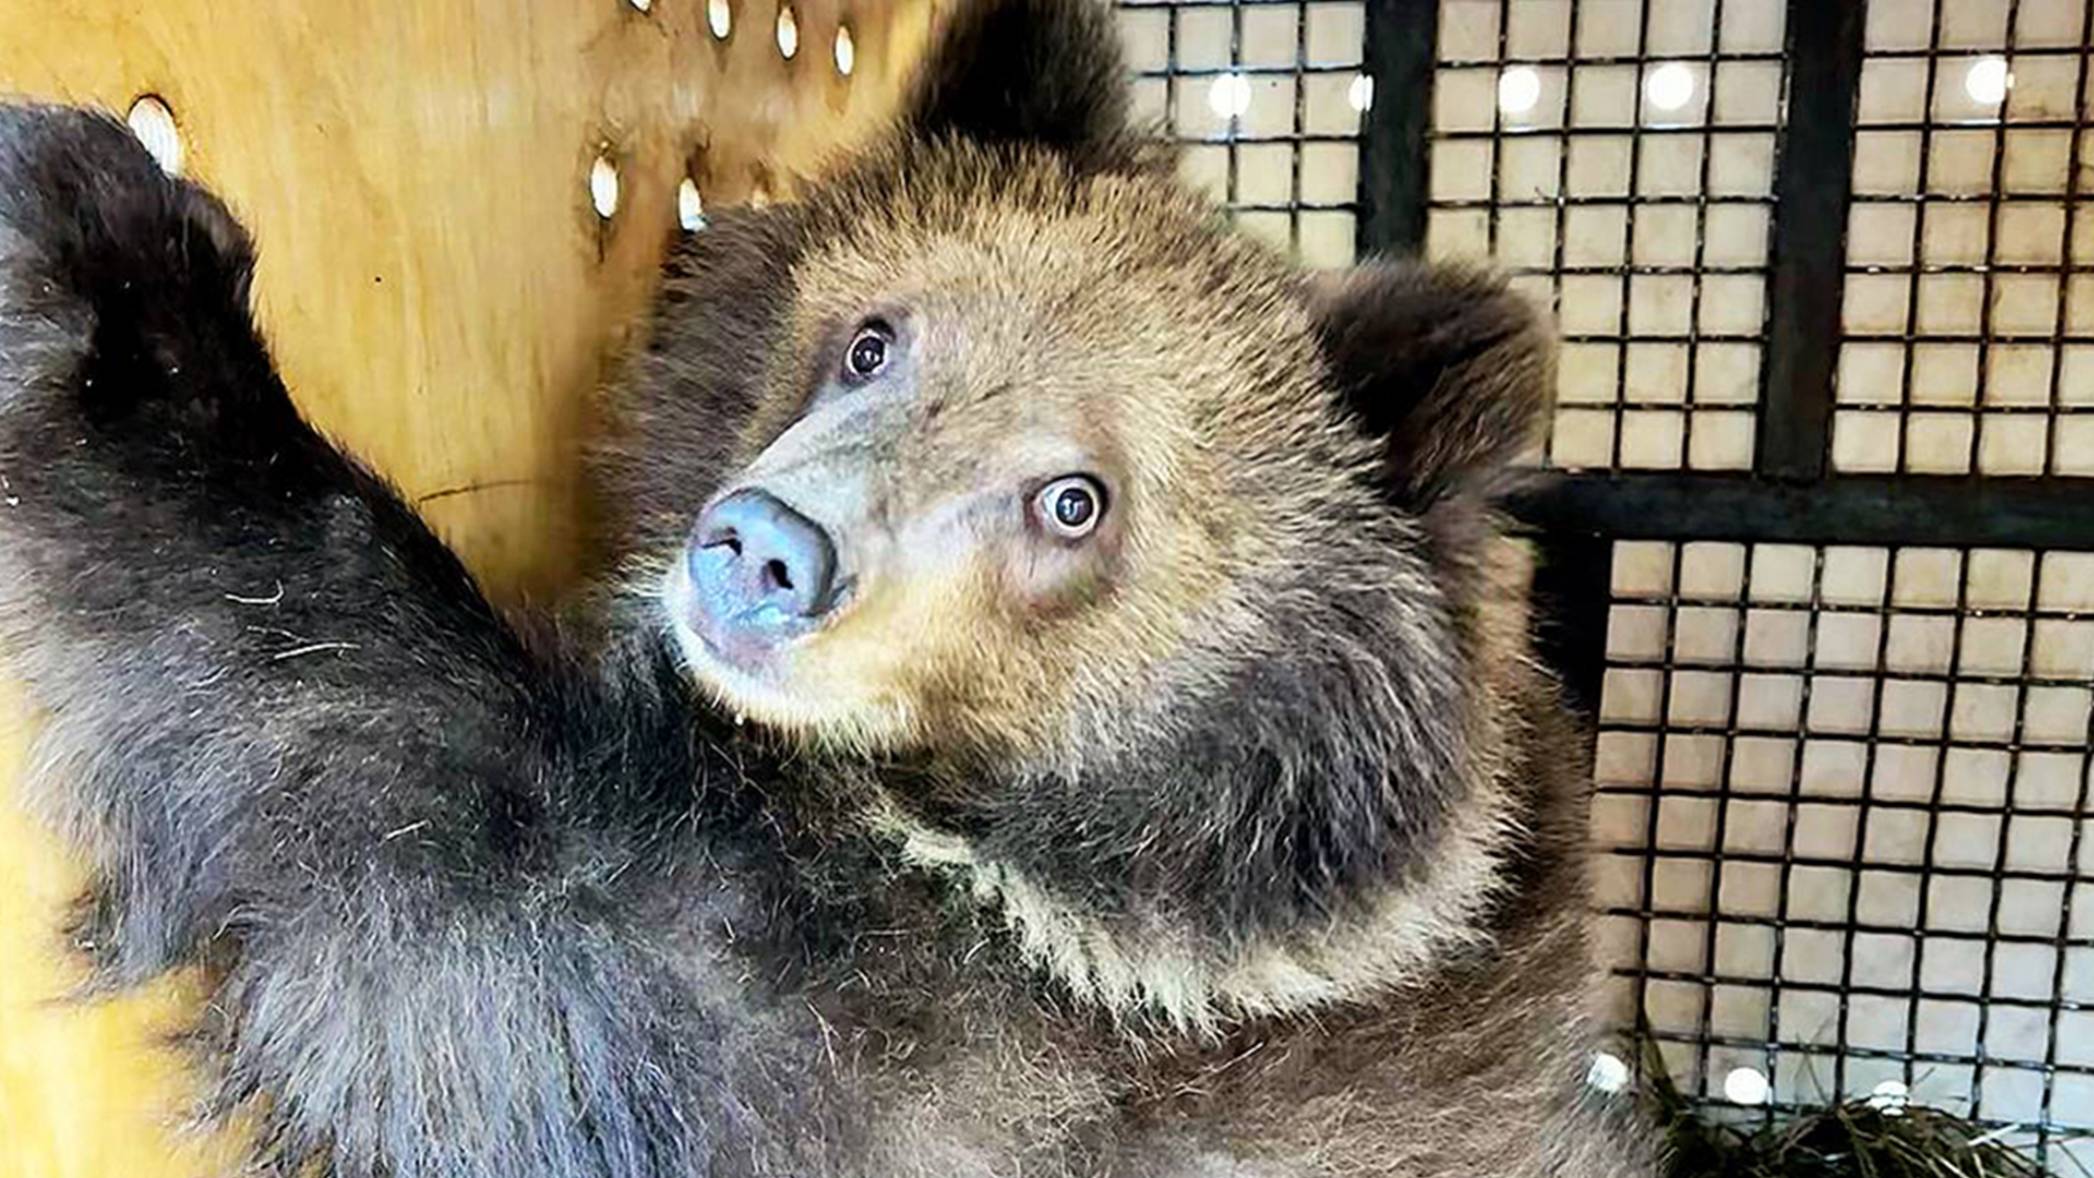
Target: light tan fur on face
{"x": 1038, "y": 356}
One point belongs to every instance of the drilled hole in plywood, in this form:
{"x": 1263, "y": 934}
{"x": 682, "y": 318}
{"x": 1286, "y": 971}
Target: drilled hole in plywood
{"x": 154, "y": 124}
{"x": 690, "y": 206}
{"x": 603, "y": 187}
{"x": 846, "y": 51}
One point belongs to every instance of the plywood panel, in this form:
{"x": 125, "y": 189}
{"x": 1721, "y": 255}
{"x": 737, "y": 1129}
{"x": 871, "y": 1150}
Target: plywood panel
{"x": 441, "y": 297}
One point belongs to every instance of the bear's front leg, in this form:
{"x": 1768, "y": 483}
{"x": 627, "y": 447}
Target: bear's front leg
{"x": 193, "y": 581}
{"x": 292, "y": 736}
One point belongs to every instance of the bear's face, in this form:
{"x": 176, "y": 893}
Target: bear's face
{"x": 1026, "y": 458}
{"x": 1151, "y": 569}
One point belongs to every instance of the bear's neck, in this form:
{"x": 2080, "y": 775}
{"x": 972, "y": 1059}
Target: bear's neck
{"x": 1327, "y": 822}
{"x": 1152, "y": 966}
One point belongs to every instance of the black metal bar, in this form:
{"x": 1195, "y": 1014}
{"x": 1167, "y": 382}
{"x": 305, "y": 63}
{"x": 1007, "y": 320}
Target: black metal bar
{"x": 1571, "y": 594}
{"x": 1987, "y": 512}
{"x": 1811, "y": 188}
{"x": 1402, "y": 41}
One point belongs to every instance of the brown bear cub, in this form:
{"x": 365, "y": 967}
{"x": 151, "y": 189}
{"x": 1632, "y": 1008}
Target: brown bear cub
{"x": 1061, "y": 711}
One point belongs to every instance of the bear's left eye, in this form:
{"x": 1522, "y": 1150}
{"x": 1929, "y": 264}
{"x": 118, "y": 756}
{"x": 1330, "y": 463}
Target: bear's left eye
{"x": 1070, "y": 506}
{"x": 867, "y": 355}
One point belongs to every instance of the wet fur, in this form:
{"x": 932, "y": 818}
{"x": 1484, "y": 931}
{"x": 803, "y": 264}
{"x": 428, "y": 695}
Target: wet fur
{"x": 485, "y": 900}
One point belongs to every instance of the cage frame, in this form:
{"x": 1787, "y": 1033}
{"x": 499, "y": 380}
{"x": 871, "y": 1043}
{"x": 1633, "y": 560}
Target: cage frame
{"x": 1792, "y": 494}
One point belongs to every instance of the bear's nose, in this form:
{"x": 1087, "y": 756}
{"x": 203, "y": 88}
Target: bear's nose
{"x": 755, "y": 561}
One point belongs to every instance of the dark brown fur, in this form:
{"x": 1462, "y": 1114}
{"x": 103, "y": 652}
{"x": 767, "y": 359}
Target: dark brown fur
{"x": 1243, "y": 839}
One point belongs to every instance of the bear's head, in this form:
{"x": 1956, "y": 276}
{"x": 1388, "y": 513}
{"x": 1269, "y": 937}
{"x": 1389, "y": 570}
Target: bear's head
{"x": 1149, "y": 570}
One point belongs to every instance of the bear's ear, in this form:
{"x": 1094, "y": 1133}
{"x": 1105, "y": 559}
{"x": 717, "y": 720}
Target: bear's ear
{"x": 1041, "y": 72}
{"x": 1451, "y": 370}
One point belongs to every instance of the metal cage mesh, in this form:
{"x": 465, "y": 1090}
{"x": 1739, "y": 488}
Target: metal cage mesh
{"x": 1618, "y": 160}
{"x": 1265, "y": 97}
{"x": 1967, "y": 316}
{"x": 1842, "y": 794}
{"x": 1819, "y": 554}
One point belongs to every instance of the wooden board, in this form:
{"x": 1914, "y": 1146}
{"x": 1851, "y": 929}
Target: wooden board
{"x": 441, "y": 297}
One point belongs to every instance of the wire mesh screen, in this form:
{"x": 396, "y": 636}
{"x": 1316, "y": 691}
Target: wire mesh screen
{"x": 1842, "y": 800}
{"x": 1967, "y": 317}
{"x": 1619, "y": 160}
{"x": 1265, "y": 96}
{"x": 1817, "y": 548}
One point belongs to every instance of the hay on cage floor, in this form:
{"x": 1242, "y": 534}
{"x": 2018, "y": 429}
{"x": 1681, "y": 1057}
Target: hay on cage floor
{"x": 1851, "y": 1139}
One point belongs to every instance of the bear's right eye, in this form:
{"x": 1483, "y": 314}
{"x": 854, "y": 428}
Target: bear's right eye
{"x": 867, "y": 355}
{"x": 1069, "y": 507}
